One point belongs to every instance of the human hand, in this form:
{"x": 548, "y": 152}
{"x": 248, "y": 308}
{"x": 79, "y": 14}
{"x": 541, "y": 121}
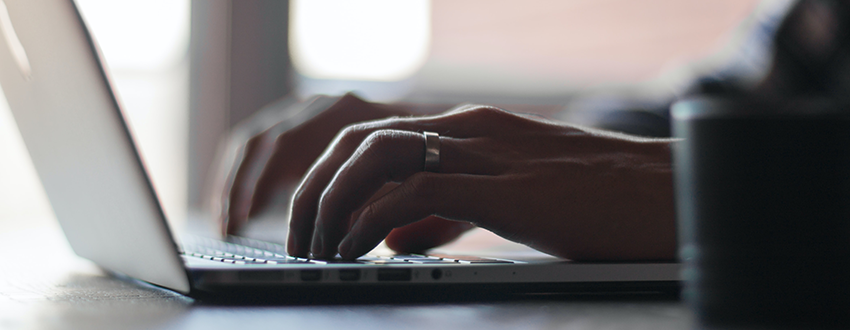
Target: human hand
{"x": 271, "y": 160}
{"x": 568, "y": 191}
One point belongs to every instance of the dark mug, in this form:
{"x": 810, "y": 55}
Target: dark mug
{"x": 763, "y": 208}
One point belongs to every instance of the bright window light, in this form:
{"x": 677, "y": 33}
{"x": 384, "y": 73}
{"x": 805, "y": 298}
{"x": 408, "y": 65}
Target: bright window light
{"x": 379, "y": 40}
{"x": 139, "y": 35}
{"x": 145, "y": 45}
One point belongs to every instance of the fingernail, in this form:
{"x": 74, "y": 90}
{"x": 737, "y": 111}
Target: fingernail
{"x": 225, "y": 225}
{"x": 291, "y": 244}
{"x": 317, "y": 246}
{"x": 345, "y": 246}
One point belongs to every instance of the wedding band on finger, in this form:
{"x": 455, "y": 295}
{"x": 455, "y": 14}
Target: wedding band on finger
{"x": 432, "y": 151}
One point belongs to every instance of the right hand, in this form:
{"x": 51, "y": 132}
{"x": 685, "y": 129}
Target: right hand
{"x": 569, "y": 191}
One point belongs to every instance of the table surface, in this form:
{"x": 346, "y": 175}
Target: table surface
{"x": 58, "y": 290}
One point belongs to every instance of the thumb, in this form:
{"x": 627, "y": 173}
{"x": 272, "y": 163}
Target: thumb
{"x": 425, "y": 234}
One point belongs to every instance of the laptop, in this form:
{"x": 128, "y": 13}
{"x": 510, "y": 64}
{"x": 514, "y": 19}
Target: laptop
{"x": 71, "y": 122}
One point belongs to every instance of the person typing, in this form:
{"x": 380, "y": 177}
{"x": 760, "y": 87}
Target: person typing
{"x": 360, "y": 172}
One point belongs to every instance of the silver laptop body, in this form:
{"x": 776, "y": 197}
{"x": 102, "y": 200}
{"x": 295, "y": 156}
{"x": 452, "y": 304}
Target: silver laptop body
{"x": 59, "y": 91}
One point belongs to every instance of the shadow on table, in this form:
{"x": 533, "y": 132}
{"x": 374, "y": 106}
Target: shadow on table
{"x": 107, "y": 302}
{"x": 401, "y": 295}
{"x": 109, "y": 289}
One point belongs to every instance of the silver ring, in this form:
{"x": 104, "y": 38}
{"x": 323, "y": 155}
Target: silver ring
{"x": 432, "y": 152}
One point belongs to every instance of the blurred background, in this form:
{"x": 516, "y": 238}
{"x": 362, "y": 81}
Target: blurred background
{"x": 187, "y": 71}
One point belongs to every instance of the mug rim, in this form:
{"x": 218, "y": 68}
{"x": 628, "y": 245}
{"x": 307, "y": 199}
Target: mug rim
{"x": 713, "y": 107}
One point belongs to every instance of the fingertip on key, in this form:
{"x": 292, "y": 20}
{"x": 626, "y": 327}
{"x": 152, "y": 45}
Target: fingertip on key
{"x": 345, "y": 247}
{"x": 317, "y": 247}
{"x": 291, "y": 245}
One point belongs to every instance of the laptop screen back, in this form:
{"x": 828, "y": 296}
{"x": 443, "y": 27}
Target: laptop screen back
{"x": 70, "y": 121}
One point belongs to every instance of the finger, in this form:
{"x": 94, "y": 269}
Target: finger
{"x": 428, "y": 233}
{"x": 385, "y": 156}
{"x": 304, "y": 207}
{"x": 459, "y": 197}
{"x": 282, "y": 171}
{"x": 228, "y": 154}
{"x": 305, "y": 201}
{"x": 304, "y": 137}
{"x": 253, "y": 157}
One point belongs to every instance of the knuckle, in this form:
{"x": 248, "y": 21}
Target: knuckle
{"x": 422, "y": 185}
{"x": 352, "y": 132}
{"x": 299, "y": 195}
{"x": 256, "y": 145}
{"x": 379, "y": 145}
{"x": 486, "y": 111}
{"x": 281, "y": 141}
{"x": 347, "y": 136}
{"x": 372, "y": 218}
{"x": 483, "y": 113}
{"x": 380, "y": 140}
{"x": 254, "y": 142}
{"x": 369, "y": 212}
{"x": 348, "y": 130}
{"x": 326, "y": 198}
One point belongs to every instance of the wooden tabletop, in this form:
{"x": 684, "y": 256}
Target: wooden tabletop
{"x": 44, "y": 285}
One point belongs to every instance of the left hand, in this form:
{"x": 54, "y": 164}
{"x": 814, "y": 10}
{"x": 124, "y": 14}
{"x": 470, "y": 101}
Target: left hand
{"x": 568, "y": 191}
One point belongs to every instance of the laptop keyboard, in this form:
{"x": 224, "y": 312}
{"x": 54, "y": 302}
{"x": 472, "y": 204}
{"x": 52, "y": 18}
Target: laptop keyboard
{"x": 239, "y": 250}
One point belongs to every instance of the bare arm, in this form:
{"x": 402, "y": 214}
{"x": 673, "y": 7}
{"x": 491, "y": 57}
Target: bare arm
{"x": 568, "y": 191}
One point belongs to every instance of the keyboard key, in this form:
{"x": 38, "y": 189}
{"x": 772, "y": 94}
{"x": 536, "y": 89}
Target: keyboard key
{"x": 251, "y": 262}
{"x": 340, "y": 261}
{"x": 369, "y": 258}
{"x": 386, "y": 262}
{"x": 433, "y": 261}
{"x": 410, "y": 256}
{"x": 247, "y": 251}
{"x": 489, "y": 261}
{"x": 474, "y": 260}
